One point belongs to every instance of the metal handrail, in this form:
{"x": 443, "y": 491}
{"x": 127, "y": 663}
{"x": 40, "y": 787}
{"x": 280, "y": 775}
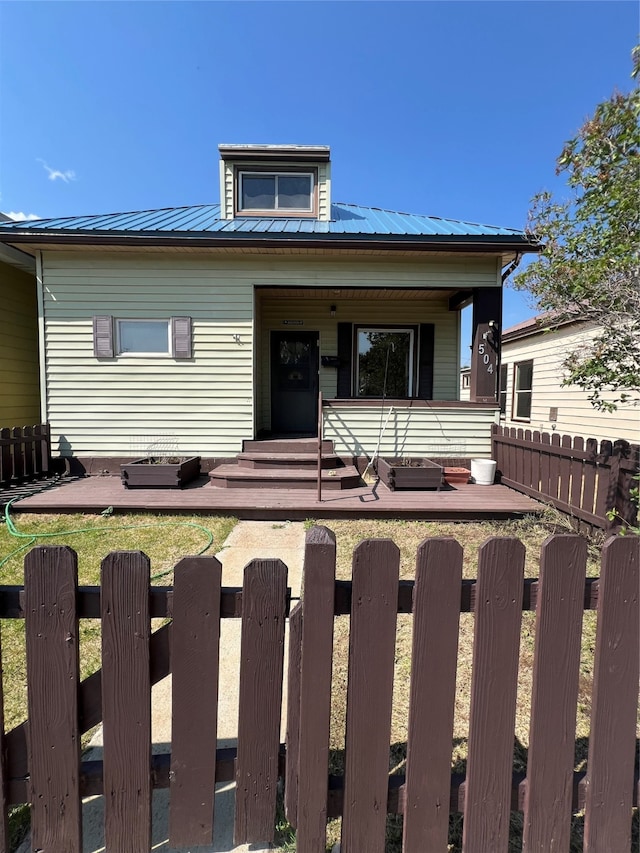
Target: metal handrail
{"x": 319, "y": 446}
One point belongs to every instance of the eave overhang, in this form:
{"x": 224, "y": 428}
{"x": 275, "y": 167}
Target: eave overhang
{"x": 391, "y": 243}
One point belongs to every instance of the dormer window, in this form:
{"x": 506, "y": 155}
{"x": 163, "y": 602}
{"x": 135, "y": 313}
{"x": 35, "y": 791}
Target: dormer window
{"x": 286, "y": 181}
{"x": 279, "y": 192}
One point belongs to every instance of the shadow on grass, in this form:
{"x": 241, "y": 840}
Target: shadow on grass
{"x": 397, "y": 766}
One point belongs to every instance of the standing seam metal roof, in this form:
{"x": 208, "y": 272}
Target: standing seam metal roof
{"x": 347, "y": 219}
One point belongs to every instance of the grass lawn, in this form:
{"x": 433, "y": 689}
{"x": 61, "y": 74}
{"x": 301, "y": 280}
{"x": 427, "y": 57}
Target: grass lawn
{"x": 165, "y": 539}
{"x": 408, "y": 535}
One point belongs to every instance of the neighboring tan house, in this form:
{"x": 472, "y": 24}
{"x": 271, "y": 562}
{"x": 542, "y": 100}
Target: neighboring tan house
{"x": 531, "y": 392}
{"x": 19, "y": 371}
{"x": 198, "y": 327}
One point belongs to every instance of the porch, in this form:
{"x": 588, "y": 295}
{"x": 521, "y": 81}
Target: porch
{"x": 459, "y": 503}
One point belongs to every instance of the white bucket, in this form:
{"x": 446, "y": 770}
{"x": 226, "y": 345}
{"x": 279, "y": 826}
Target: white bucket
{"x": 483, "y": 471}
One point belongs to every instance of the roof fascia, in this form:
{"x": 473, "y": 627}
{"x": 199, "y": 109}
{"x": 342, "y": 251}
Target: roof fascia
{"x": 491, "y": 245}
{"x": 539, "y": 329}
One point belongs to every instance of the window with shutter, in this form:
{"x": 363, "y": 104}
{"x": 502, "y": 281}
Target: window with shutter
{"x": 182, "y": 337}
{"x": 103, "y": 336}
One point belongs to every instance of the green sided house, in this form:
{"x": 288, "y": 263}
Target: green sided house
{"x": 196, "y": 328}
{"x": 19, "y": 373}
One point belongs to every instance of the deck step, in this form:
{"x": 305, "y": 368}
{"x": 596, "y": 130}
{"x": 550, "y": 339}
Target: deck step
{"x": 269, "y": 446}
{"x": 238, "y": 477}
{"x": 260, "y": 460}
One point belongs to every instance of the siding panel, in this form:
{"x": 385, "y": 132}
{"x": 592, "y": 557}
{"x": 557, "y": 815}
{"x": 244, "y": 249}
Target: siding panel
{"x": 206, "y": 405}
{"x": 19, "y": 378}
{"x": 576, "y": 415}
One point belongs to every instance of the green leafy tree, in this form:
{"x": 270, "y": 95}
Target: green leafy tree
{"x": 589, "y": 267}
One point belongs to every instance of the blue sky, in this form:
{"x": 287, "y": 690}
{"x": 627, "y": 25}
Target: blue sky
{"x": 454, "y": 109}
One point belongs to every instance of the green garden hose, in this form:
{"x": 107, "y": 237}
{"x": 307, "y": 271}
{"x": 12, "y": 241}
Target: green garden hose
{"x": 34, "y": 537}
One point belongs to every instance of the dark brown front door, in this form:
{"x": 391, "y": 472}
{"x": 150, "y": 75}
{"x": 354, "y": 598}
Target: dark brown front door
{"x": 294, "y": 382}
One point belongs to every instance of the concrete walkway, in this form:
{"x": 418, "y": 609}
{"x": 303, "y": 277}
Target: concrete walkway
{"x": 248, "y": 540}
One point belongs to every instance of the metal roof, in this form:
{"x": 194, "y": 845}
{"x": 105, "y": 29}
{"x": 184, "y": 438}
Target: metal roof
{"x": 347, "y": 220}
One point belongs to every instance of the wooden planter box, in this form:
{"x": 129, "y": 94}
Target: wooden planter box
{"x": 409, "y": 473}
{"x": 150, "y": 472}
{"x": 456, "y": 476}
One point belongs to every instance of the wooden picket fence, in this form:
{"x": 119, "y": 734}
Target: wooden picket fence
{"x": 25, "y": 454}
{"x": 41, "y": 762}
{"x": 578, "y": 477}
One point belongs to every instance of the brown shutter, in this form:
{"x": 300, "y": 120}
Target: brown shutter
{"x": 103, "y": 336}
{"x": 345, "y": 370}
{"x": 425, "y": 362}
{"x": 181, "y": 337}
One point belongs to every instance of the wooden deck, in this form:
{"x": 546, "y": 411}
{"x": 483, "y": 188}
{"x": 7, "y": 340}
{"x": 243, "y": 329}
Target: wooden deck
{"x": 462, "y": 503}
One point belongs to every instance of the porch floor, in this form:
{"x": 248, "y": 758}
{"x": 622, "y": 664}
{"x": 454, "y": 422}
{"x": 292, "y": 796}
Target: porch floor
{"x": 460, "y": 503}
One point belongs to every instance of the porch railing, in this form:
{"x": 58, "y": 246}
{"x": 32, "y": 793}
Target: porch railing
{"x": 319, "y": 446}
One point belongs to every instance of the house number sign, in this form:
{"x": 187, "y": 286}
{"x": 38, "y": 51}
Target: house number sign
{"x": 487, "y": 361}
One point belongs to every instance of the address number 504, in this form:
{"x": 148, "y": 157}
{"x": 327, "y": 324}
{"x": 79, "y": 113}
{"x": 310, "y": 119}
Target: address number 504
{"x": 485, "y": 357}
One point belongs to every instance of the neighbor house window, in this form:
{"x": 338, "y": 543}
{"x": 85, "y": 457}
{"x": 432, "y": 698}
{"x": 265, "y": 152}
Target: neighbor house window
{"x": 522, "y": 386}
{"x": 503, "y": 390}
{"x": 385, "y": 362}
{"x": 284, "y": 191}
{"x": 143, "y": 337}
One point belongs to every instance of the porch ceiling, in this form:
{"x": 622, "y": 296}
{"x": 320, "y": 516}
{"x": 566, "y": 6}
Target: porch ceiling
{"x": 343, "y": 293}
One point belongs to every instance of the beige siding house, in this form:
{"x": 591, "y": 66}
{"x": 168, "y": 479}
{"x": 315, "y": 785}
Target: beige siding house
{"x": 531, "y": 391}
{"x": 19, "y": 371}
{"x": 196, "y": 328}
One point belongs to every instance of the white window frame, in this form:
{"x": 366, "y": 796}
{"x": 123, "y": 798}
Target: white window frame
{"x": 412, "y": 355}
{"x": 141, "y": 354}
{"x": 518, "y": 391}
{"x": 502, "y": 392}
{"x": 276, "y": 210}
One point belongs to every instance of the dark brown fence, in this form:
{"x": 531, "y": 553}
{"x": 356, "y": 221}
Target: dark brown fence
{"x": 576, "y": 476}
{"x": 40, "y": 762}
{"x": 25, "y": 453}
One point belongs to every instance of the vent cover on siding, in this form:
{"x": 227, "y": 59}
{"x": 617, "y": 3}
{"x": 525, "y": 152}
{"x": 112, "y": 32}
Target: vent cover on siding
{"x": 181, "y": 336}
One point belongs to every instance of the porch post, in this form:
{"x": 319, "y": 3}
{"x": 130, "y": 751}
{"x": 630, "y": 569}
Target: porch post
{"x": 485, "y": 350}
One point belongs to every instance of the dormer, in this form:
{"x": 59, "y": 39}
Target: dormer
{"x": 269, "y": 181}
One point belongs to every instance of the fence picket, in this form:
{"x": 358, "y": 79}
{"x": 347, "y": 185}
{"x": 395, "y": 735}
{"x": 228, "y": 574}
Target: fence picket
{"x": 262, "y": 651}
{"x": 194, "y": 666}
{"x": 589, "y": 474}
{"x": 610, "y": 762}
{"x": 494, "y": 684}
{"x": 606, "y": 461}
{"x": 6, "y": 464}
{"x": 126, "y": 701}
{"x": 554, "y": 468}
{"x": 528, "y": 454}
{"x": 51, "y": 577}
{"x": 315, "y": 689}
{"x": 293, "y": 716}
{"x": 369, "y": 693}
{"x": 559, "y": 609}
{"x": 28, "y": 452}
{"x": 536, "y": 462}
{"x": 565, "y": 471}
{"x": 545, "y": 464}
{"x": 519, "y": 471}
{"x": 18, "y": 453}
{"x": 436, "y": 609}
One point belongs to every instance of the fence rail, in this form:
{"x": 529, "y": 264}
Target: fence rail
{"x": 576, "y": 476}
{"x": 61, "y": 707}
{"x": 25, "y": 453}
